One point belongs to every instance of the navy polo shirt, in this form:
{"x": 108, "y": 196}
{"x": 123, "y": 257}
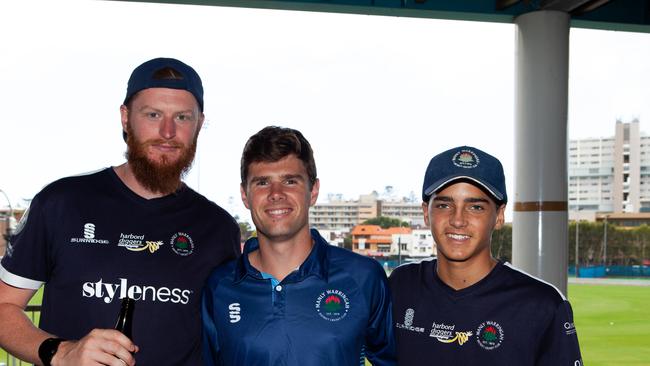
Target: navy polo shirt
{"x": 333, "y": 310}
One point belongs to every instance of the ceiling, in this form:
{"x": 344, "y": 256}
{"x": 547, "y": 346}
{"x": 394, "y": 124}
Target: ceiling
{"x": 621, "y": 15}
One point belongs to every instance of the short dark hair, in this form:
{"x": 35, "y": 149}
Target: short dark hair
{"x": 273, "y": 143}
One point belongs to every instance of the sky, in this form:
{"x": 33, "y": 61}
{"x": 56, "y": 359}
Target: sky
{"x": 376, "y": 96}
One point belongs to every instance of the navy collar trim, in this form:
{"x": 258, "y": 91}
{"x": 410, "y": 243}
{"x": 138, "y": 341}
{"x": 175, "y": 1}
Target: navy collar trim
{"x": 316, "y": 264}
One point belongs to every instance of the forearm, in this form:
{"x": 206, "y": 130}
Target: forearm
{"x": 18, "y": 335}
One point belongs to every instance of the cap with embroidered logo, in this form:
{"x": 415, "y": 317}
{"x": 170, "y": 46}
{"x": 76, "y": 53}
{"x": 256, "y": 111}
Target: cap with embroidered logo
{"x": 465, "y": 162}
{"x": 152, "y": 74}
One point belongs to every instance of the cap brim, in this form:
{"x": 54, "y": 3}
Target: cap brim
{"x": 443, "y": 182}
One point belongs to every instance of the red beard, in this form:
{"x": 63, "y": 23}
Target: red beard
{"x": 159, "y": 176}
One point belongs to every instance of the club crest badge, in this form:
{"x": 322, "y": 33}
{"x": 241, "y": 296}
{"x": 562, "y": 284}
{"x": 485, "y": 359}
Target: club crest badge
{"x": 182, "y": 244}
{"x": 489, "y": 335}
{"x": 465, "y": 159}
{"x": 332, "y": 305}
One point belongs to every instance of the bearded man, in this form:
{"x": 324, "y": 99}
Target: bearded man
{"x": 135, "y": 230}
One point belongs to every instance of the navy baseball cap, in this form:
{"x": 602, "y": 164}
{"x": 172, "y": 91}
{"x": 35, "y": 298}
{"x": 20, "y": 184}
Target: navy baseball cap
{"x": 151, "y": 75}
{"x": 465, "y": 162}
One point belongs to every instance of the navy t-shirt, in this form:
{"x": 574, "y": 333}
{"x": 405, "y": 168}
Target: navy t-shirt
{"x": 507, "y": 318}
{"x": 92, "y": 241}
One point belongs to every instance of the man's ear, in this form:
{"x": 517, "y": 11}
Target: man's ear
{"x": 315, "y": 188}
{"x": 501, "y": 217}
{"x": 124, "y": 117}
{"x": 244, "y": 197}
{"x": 425, "y": 212}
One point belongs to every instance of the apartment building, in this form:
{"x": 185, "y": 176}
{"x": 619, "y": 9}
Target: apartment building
{"x": 337, "y": 213}
{"x": 611, "y": 174}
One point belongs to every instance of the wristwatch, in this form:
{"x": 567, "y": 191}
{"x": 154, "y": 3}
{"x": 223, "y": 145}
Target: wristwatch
{"x": 47, "y": 349}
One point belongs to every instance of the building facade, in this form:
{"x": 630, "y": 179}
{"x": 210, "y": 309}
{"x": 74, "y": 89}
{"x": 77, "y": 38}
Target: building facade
{"x": 8, "y": 221}
{"x": 611, "y": 174}
{"x": 372, "y": 240}
{"x": 339, "y": 214}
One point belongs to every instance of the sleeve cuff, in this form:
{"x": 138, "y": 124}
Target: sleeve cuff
{"x": 18, "y": 281}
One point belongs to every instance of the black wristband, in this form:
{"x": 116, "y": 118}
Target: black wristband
{"x": 48, "y": 349}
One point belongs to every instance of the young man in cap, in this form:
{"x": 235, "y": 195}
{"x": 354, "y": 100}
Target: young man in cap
{"x": 135, "y": 230}
{"x": 291, "y": 298}
{"x": 467, "y": 308}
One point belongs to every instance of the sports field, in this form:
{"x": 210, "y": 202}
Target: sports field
{"x": 613, "y": 323}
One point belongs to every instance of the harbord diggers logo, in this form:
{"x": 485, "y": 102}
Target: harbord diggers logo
{"x": 446, "y": 334}
{"x": 332, "y": 305}
{"x": 136, "y": 243}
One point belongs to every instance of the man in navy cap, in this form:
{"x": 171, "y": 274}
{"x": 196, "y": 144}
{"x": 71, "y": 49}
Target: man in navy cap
{"x": 134, "y": 230}
{"x": 465, "y": 307}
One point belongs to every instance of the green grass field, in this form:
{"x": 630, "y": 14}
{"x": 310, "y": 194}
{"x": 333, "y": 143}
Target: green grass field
{"x": 613, "y": 324}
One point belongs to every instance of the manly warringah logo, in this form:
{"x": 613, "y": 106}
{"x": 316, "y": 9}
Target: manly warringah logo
{"x": 109, "y": 291}
{"x": 445, "y": 333}
{"x": 465, "y": 159}
{"x": 235, "y": 312}
{"x": 409, "y": 314}
{"x": 136, "y": 243}
{"x": 89, "y": 236}
{"x": 489, "y": 335}
{"x": 332, "y": 305}
{"x": 182, "y": 244}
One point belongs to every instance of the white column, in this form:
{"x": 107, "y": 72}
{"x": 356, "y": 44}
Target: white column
{"x": 540, "y": 233}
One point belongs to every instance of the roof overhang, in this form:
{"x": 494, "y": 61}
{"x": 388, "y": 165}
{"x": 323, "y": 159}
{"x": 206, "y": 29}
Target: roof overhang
{"x": 620, "y": 15}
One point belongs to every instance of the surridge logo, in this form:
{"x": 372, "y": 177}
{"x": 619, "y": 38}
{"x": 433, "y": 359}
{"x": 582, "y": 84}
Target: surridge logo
{"x": 89, "y": 231}
{"x": 109, "y": 291}
{"x": 136, "y": 243}
{"x": 89, "y": 236}
{"x": 235, "y": 312}
{"x": 332, "y": 305}
{"x": 409, "y": 315}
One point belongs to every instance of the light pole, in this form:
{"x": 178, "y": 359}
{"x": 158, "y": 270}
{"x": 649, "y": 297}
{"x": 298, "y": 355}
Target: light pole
{"x": 399, "y": 249}
{"x": 605, "y": 246}
{"x": 577, "y": 241}
{"x": 10, "y": 215}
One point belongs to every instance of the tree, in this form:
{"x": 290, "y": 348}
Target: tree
{"x": 386, "y": 222}
{"x": 501, "y": 244}
{"x": 245, "y": 229}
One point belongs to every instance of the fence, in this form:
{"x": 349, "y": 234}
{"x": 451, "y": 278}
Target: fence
{"x": 611, "y": 271}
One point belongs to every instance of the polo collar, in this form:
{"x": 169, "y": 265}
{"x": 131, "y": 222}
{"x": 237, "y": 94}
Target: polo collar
{"x": 315, "y": 264}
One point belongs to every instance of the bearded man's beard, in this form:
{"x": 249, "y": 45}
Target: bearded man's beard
{"x": 160, "y": 176}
